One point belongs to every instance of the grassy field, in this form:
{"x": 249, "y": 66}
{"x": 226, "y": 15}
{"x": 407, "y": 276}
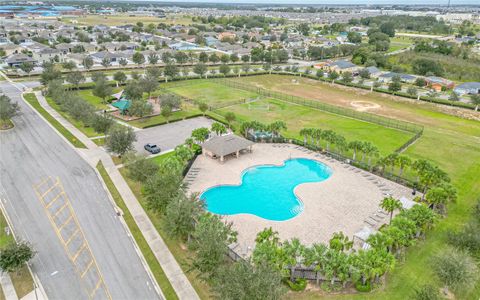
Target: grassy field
{"x": 22, "y": 279}
{"x": 449, "y": 141}
{"x": 152, "y": 261}
{"x": 298, "y": 117}
{"x": 32, "y": 99}
{"x": 209, "y": 92}
{"x": 114, "y": 20}
{"x": 122, "y": 19}
{"x": 94, "y": 100}
{"x": 160, "y": 158}
{"x": 178, "y": 248}
{"x": 188, "y": 110}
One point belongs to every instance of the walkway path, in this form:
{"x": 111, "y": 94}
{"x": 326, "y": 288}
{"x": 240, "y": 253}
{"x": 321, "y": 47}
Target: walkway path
{"x": 92, "y": 155}
{"x": 7, "y": 287}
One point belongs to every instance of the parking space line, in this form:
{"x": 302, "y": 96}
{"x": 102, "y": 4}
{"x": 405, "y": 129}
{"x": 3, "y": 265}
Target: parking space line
{"x": 54, "y": 199}
{"x": 96, "y": 288}
{"x": 90, "y": 264}
{"x": 65, "y": 223}
{"x": 77, "y": 230}
{"x": 42, "y": 182}
{"x": 75, "y": 256}
{"x": 60, "y": 209}
{"x": 49, "y": 190}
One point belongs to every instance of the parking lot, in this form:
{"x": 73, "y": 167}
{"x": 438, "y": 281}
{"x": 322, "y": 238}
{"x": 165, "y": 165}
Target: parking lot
{"x": 169, "y": 136}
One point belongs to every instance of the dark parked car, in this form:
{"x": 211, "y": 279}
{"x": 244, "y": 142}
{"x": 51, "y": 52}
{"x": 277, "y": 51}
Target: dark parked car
{"x": 152, "y": 148}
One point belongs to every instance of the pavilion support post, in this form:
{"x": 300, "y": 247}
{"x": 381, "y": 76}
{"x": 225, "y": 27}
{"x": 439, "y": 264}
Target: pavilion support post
{"x": 222, "y": 158}
{"x": 237, "y": 154}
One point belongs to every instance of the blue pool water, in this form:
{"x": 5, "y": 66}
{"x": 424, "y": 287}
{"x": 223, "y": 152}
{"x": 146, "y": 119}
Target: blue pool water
{"x": 266, "y": 191}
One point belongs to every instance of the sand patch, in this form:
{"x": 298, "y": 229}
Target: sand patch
{"x": 364, "y": 105}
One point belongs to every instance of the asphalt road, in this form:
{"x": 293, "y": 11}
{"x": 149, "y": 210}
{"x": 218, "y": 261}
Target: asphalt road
{"x": 31, "y": 152}
{"x": 169, "y": 136}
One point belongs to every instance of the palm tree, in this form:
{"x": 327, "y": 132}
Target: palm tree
{"x": 432, "y": 177}
{"x": 218, "y": 128}
{"x": 304, "y": 133}
{"x": 355, "y": 146}
{"x": 365, "y": 147}
{"x": 371, "y": 151}
{"x": 403, "y": 161}
{"x": 317, "y": 135}
{"x": 276, "y": 126}
{"x": 340, "y": 242}
{"x": 437, "y": 197}
{"x": 329, "y": 137}
{"x": 390, "y": 204}
{"x": 382, "y": 163}
{"x": 341, "y": 144}
{"x": 316, "y": 256}
{"x": 391, "y": 160}
{"x": 294, "y": 253}
{"x": 421, "y": 166}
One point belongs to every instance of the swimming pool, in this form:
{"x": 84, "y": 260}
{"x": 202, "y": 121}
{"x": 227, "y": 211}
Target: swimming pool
{"x": 266, "y": 191}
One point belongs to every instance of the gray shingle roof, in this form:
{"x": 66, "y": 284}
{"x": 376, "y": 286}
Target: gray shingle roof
{"x": 226, "y": 144}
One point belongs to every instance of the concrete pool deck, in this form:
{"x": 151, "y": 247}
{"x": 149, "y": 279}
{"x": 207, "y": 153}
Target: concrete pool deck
{"x": 342, "y": 202}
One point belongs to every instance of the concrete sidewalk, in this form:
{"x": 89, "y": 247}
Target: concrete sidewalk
{"x": 92, "y": 155}
{"x": 7, "y": 287}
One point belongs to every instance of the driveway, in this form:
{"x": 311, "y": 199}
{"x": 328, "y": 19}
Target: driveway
{"x": 169, "y": 136}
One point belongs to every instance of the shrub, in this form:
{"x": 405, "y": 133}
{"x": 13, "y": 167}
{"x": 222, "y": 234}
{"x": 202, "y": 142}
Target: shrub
{"x": 298, "y": 285}
{"x": 363, "y": 288}
{"x": 455, "y": 269}
{"x": 426, "y": 292}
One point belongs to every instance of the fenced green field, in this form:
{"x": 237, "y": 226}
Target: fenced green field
{"x": 250, "y": 105}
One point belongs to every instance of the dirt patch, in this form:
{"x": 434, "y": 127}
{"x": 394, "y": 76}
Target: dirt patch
{"x": 364, "y": 105}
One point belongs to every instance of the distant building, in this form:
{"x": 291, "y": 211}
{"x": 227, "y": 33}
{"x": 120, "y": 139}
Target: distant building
{"x": 437, "y": 83}
{"x": 226, "y": 35}
{"x": 341, "y": 66}
{"x": 16, "y": 60}
{"x": 387, "y": 77}
{"x": 467, "y": 88}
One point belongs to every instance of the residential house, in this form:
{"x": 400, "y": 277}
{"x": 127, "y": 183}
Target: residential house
{"x": 183, "y": 46}
{"x": 373, "y": 71}
{"x": 11, "y": 49}
{"x": 341, "y": 66}
{"x": 14, "y": 61}
{"x": 467, "y": 88}
{"x": 48, "y": 55}
{"x": 64, "y": 47}
{"x": 211, "y": 41}
{"x": 387, "y": 77}
{"x": 226, "y": 35}
{"x": 438, "y": 83}
{"x": 98, "y": 57}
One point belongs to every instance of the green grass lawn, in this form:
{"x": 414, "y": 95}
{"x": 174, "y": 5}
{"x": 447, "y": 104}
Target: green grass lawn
{"x": 397, "y": 46}
{"x": 152, "y": 261}
{"x": 22, "y": 279}
{"x": 209, "y": 92}
{"x": 188, "y": 110}
{"x": 298, "y": 117}
{"x": 160, "y": 158}
{"x": 94, "y": 100}
{"x": 32, "y": 99}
